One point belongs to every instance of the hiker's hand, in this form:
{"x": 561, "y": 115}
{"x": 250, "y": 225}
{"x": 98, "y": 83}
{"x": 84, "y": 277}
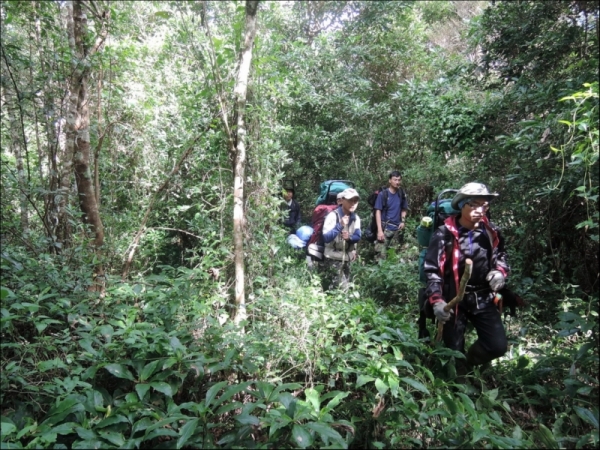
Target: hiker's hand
{"x": 380, "y": 236}
{"x": 401, "y": 227}
{"x": 438, "y": 310}
{"x": 352, "y": 255}
{"x": 496, "y": 280}
{"x": 345, "y": 235}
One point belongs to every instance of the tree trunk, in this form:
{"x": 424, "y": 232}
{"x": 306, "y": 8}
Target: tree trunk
{"x": 240, "y": 91}
{"x": 78, "y": 132}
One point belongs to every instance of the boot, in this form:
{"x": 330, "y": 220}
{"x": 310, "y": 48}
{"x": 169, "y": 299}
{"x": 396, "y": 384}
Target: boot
{"x": 476, "y": 355}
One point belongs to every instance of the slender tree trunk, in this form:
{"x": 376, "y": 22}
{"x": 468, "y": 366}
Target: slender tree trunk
{"x": 78, "y": 131}
{"x": 240, "y": 92}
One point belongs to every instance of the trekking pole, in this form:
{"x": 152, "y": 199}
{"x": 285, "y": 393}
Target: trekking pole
{"x": 459, "y": 296}
{"x": 345, "y": 228}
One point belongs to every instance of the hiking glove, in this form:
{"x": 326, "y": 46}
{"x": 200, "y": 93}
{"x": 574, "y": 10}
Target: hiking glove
{"x": 438, "y": 310}
{"x": 496, "y": 280}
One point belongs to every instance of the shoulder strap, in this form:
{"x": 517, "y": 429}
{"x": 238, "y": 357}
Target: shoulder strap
{"x": 386, "y": 194}
{"x": 448, "y": 246}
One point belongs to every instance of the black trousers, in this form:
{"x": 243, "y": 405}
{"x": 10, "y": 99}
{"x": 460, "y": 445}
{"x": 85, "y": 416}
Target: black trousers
{"x": 478, "y": 308}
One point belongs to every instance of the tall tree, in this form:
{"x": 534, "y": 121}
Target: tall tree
{"x": 240, "y": 91}
{"x": 78, "y": 118}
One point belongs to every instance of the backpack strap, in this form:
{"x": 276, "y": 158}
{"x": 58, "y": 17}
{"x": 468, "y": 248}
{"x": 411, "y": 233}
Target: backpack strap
{"x": 386, "y": 194}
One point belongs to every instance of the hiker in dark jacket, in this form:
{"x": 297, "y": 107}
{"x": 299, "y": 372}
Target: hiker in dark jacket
{"x": 469, "y": 235}
{"x": 391, "y": 208}
{"x": 291, "y": 207}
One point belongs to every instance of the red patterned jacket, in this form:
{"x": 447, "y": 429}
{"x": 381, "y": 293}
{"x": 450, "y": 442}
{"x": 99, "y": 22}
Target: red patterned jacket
{"x": 444, "y": 262}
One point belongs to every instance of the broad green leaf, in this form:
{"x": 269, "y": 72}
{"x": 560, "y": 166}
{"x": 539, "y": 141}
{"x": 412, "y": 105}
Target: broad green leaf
{"x": 492, "y": 394}
{"x": 247, "y": 419}
{"x": 63, "y": 406}
{"x": 230, "y": 392}
{"x": 51, "y": 364}
{"x": 450, "y": 403}
{"x": 468, "y": 404}
{"x": 64, "y": 428}
{"x": 363, "y": 379}
{"x": 326, "y": 432}
{"x": 186, "y": 432}
{"x": 113, "y": 437}
{"x": 264, "y": 389}
{"x": 8, "y": 427}
{"x": 161, "y": 423}
{"x": 148, "y": 370}
{"x": 583, "y": 349}
{"x": 284, "y": 386}
{"x": 5, "y": 292}
{"x": 416, "y": 384}
{"x": 142, "y": 390}
{"x": 163, "y": 387}
{"x": 546, "y": 437}
{"x": 312, "y": 396}
{"x": 107, "y": 332}
{"x": 335, "y": 401}
{"x": 161, "y": 432}
{"x": 517, "y": 433}
{"x": 112, "y": 420}
{"x": 587, "y": 416}
{"x": 88, "y": 444}
{"x": 86, "y": 344}
{"x": 141, "y": 424}
{"x": 381, "y": 386}
{"x": 228, "y": 407}
{"x": 176, "y": 344}
{"x": 300, "y": 436}
{"x": 119, "y": 371}
{"x": 212, "y": 392}
{"x": 85, "y": 434}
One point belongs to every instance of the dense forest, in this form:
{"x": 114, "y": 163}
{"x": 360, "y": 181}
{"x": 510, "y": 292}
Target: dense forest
{"x": 149, "y": 297}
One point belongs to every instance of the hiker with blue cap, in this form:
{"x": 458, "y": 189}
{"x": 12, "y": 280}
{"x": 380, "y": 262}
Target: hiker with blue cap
{"x": 469, "y": 235}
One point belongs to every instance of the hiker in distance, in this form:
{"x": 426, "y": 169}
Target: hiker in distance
{"x": 469, "y": 235}
{"x": 391, "y": 208}
{"x": 341, "y": 232}
{"x": 291, "y": 210}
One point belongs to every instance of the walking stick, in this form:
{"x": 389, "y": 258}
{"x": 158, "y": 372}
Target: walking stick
{"x": 459, "y": 296}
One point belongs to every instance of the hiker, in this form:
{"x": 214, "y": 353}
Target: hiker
{"x": 292, "y": 219}
{"x": 391, "y": 208}
{"x": 471, "y": 235}
{"x": 341, "y": 232}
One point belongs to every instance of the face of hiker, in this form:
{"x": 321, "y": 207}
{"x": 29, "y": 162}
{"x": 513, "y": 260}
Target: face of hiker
{"x": 349, "y": 205}
{"x": 475, "y": 209}
{"x": 395, "y": 182}
{"x": 287, "y": 195}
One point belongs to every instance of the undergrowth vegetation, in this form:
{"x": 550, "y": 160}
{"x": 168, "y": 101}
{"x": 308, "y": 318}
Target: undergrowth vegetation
{"x": 157, "y": 363}
{"x": 131, "y": 341}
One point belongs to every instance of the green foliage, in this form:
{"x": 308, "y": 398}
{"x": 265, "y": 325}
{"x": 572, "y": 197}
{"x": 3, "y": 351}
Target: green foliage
{"x": 538, "y": 41}
{"x": 337, "y": 90}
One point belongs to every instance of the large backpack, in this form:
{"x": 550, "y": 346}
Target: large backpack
{"x": 326, "y": 202}
{"x": 370, "y": 233}
{"x": 437, "y": 212}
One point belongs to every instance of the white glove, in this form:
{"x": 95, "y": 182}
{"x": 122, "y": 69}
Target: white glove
{"x": 438, "y": 310}
{"x": 496, "y": 280}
